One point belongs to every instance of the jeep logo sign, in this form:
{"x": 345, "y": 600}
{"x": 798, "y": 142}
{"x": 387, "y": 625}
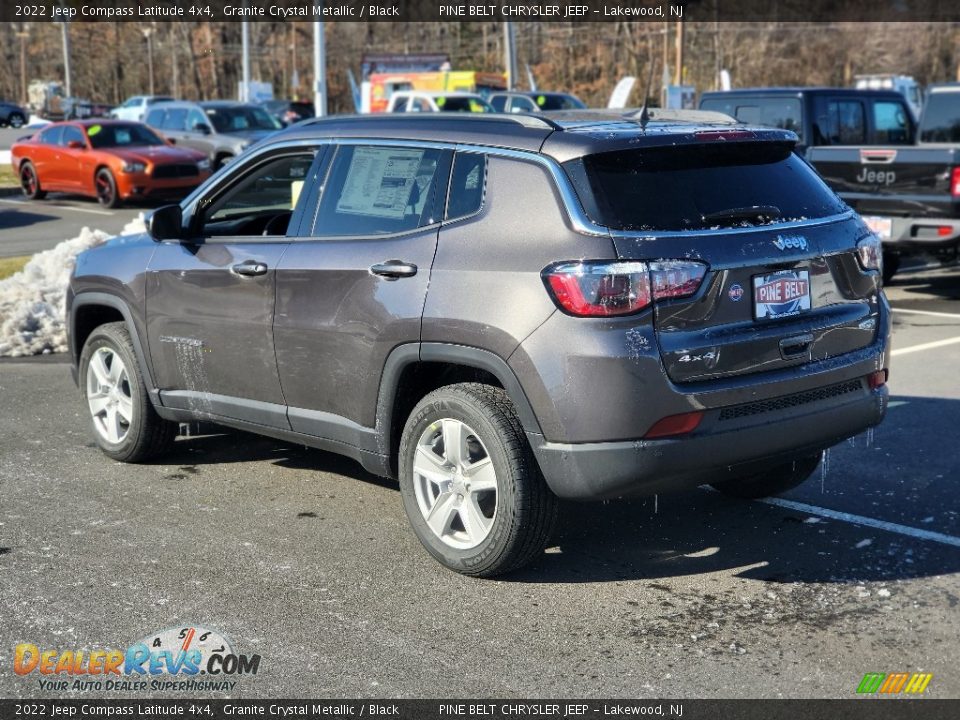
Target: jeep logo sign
{"x": 790, "y": 242}
{"x": 877, "y": 177}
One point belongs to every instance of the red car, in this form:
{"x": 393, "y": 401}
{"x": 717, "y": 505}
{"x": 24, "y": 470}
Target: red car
{"x": 111, "y": 160}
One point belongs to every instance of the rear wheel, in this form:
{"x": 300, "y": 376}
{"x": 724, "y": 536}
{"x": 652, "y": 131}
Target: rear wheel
{"x": 770, "y": 482}
{"x": 30, "y": 183}
{"x": 106, "y": 188}
{"x": 470, "y": 485}
{"x": 17, "y": 120}
{"x": 126, "y": 427}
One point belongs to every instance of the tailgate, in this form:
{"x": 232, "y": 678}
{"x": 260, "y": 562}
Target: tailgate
{"x": 899, "y": 182}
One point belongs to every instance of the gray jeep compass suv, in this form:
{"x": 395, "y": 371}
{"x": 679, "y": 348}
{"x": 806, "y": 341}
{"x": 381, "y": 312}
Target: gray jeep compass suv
{"x": 499, "y": 311}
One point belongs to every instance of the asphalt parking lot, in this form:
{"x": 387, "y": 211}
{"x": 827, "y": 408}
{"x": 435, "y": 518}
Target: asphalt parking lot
{"x": 301, "y": 557}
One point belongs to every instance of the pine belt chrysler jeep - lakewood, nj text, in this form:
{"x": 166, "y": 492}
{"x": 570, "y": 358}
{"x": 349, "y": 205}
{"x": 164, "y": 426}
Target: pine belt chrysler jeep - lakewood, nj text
{"x": 499, "y": 310}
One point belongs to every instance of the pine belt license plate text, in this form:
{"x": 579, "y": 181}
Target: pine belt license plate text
{"x": 781, "y": 293}
{"x": 882, "y": 227}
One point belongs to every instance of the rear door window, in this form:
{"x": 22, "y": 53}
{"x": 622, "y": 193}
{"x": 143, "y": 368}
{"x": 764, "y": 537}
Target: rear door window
{"x": 467, "y": 183}
{"x": 155, "y": 118}
{"x": 891, "y": 124}
{"x": 377, "y": 190}
{"x": 844, "y": 123}
{"x": 700, "y": 187}
{"x": 51, "y": 136}
{"x": 176, "y": 119}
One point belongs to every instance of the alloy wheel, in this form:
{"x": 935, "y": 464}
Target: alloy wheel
{"x": 109, "y": 396}
{"x": 455, "y": 483}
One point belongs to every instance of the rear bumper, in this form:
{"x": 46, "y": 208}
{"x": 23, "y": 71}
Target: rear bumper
{"x": 922, "y": 233}
{"x": 729, "y": 443}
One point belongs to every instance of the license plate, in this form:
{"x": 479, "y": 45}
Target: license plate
{"x": 882, "y": 227}
{"x": 781, "y": 294}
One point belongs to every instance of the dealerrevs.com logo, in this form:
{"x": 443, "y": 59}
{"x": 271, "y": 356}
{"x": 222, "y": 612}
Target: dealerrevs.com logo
{"x": 186, "y": 659}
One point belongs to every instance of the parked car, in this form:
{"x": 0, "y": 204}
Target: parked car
{"x": 534, "y": 101}
{"x": 135, "y": 108}
{"x": 418, "y": 101}
{"x": 909, "y": 196}
{"x": 499, "y": 310}
{"x": 219, "y": 129}
{"x": 12, "y": 114}
{"x": 111, "y": 160}
{"x": 289, "y": 112}
{"x": 821, "y": 116}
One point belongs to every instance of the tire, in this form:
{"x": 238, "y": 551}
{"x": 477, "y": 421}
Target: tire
{"x": 891, "y": 263}
{"x": 125, "y": 425}
{"x": 16, "y": 120}
{"x": 770, "y": 482}
{"x": 106, "y": 188}
{"x": 482, "y": 531}
{"x": 30, "y": 183}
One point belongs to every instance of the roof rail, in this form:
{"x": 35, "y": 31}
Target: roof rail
{"x": 527, "y": 120}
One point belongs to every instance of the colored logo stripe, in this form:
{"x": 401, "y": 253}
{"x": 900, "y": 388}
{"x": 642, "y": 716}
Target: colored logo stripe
{"x": 893, "y": 683}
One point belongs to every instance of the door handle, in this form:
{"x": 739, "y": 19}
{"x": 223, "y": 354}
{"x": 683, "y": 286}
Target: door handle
{"x": 796, "y": 347}
{"x": 250, "y": 268}
{"x": 394, "y": 269}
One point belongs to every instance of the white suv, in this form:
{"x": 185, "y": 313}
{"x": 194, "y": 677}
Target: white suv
{"x": 135, "y": 108}
{"x": 416, "y": 101}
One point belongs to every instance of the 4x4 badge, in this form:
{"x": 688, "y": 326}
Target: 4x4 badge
{"x": 785, "y": 242}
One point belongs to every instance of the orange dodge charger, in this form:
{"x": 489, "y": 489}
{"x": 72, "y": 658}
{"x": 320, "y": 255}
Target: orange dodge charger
{"x": 110, "y": 160}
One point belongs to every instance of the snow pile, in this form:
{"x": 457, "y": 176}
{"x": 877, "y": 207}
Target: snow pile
{"x": 32, "y": 312}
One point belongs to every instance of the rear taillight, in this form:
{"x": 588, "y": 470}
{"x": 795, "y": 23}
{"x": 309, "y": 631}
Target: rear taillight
{"x": 955, "y": 182}
{"x": 604, "y": 288}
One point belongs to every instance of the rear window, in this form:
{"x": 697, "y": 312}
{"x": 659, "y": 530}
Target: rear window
{"x": 700, "y": 187}
{"x": 941, "y": 118}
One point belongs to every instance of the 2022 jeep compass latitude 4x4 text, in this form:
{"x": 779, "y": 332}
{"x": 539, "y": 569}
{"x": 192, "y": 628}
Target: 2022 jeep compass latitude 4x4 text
{"x": 499, "y": 311}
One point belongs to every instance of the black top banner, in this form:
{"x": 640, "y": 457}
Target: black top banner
{"x": 480, "y": 10}
{"x": 460, "y": 709}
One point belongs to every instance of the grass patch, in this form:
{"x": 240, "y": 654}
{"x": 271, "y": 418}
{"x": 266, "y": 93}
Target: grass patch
{"x": 11, "y": 265}
{"x": 7, "y": 177}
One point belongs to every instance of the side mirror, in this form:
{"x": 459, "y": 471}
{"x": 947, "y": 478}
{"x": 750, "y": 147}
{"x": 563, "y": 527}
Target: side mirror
{"x": 76, "y": 145}
{"x": 166, "y": 223}
{"x": 171, "y": 141}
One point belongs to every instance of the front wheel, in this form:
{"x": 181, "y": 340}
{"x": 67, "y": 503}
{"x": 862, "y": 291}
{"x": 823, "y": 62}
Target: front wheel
{"x": 17, "y": 120}
{"x": 770, "y": 482}
{"x": 106, "y": 188}
{"x": 30, "y": 183}
{"x": 471, "y": 487}
{"x": 126, "y": 427}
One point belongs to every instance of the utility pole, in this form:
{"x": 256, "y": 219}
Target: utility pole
{"x": 319, "y": 67}
{"x": 678, "y": 73}
{"x": 65, "y": 28}
{"x": 23, "y": 34}
{"x": 148, "y": 34}
{"x": 174, "y": 59}
{"x": 510, "y": 54}
{"x": 245, "y": 41}
{"x": 665, "y": 76}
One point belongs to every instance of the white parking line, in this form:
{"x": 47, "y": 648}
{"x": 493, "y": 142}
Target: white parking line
{"x": 59, "y": 207}
{"x": 926, "y": 312}
{"x": 865, "y": 521}
{"x": 925, "y": 346}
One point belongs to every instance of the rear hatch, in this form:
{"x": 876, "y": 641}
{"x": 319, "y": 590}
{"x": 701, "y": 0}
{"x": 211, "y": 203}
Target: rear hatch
{"x": 783, "y": 284}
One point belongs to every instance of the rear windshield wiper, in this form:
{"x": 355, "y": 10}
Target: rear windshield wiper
{"x": 755, "y": 213}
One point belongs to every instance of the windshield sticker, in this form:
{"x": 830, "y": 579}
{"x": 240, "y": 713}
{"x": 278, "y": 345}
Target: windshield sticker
{"x": 94, "y": 129}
